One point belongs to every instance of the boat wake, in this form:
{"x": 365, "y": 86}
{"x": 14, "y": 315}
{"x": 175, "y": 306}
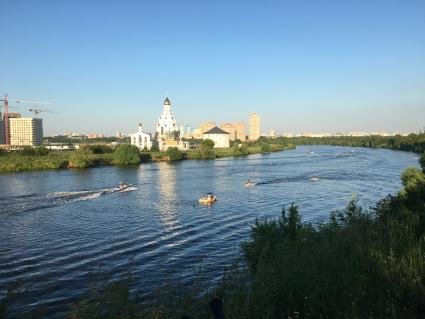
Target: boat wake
{"x": 36, "y": 201}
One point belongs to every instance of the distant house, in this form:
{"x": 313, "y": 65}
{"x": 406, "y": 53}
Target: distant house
{"x": 218, "y": 136}
{"x": 141, "y": 140}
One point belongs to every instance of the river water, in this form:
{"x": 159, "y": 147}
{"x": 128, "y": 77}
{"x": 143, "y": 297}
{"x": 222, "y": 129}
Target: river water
{"x": 57, "y": 225}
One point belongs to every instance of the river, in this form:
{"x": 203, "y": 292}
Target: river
{"x": 56, "y": 225}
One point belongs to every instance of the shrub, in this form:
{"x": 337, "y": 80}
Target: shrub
{"x": 126, "y": 154}
{"x": 40, "y": 151}
{"x": 145, "y": 157}
{"x": 208, "y": 143}
{"x": 99, "y": 148}
{"x": 174, "y": 154}
{"x": 206, "y": 152}
{"x": 154, "y": 148}
{"x": 27, "y": 151}
{"x": 265, "y": 148}
{"x": 243, "y": 150}
{"x": 240, "y": 150}
{"x": 80, "y": 159}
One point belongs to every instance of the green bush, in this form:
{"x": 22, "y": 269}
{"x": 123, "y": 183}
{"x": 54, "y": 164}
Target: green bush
{"x": 243, "y": 150}
{"x": 126, "y": 154}
{"x": 154, "y": 148}
{"x": 206, "y": 152}
{"x": 174, "y": 154}
{"x": 40, "y": 151}
{"x": 265, "y": 148}
{"x": 145, "y": 157}
{"x": 99, "y": 148}
{"x": 208, "y": 143}
{"x": 80, "y": 159}
{"x": 27, "y": 151}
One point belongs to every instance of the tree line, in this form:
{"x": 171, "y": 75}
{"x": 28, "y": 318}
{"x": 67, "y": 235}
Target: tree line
{"x": 411, "y": 142}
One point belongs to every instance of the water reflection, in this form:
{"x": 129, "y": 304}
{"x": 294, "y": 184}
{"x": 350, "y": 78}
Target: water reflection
{"x": 168, "y": 203}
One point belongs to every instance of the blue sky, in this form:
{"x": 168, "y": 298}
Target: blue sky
{"x": 303, "y": 66}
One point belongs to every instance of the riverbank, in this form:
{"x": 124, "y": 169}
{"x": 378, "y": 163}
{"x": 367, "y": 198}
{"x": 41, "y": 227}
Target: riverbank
{"x": 362, "y": 263}
{"x": 411, "y": 143}
{"x": 14, "y": 162}
{"x": 134, "y": 230}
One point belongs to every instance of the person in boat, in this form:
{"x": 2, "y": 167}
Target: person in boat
{"x": 249, "y": 183}
{"x": 122, "y": 186}
{"x": 208, "y": 198}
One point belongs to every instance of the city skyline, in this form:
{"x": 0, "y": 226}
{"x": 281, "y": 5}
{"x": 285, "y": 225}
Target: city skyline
{"x": 309, "y": 67}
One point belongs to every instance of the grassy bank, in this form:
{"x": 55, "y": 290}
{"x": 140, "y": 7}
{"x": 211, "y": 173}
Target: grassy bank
{"x": 54, "y": 160}
{"x": 15, "y": 162}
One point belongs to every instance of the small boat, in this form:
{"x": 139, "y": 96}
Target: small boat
{"x": 122, "y": 187}
{"x": 314, "y": 178}
{"x": 249, "y": 183}
{"x": 208, "y": 199}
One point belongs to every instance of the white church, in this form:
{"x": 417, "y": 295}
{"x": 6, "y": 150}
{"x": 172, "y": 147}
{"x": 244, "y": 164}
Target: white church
{"x": 167, "y": 132}
{"x": 141, "y": 140}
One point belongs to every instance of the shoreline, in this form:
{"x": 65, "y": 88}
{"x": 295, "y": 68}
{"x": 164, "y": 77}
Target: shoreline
{"x": 60, "y": 160}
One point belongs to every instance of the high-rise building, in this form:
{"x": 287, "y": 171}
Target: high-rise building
{"x": 229, "y": 128}
{"x": 207, "y": 126}
{"x": 196, "y": 134}
{"x": 26, "y": 131}
{"x": 254, "y": 127}
{"x": 236, "y": 131}
{"x": 188, "y": 130}
{"x": 240, "y": 131}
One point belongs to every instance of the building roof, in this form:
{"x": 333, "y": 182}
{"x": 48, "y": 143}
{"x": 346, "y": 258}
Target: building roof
{"x": 216, "y": 130}
{"x": 167, "y": 101}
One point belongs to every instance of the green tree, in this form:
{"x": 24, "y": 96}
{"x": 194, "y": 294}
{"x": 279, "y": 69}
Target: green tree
{"x": 40, "y": 150}
{"x": 154, "y": 148}
{"x": 99, "y": 148}
{"x": 206, "y": 152}
{"x": 27, "y": 151}
{"x": 265, "y": 148}
{"x": 243, "y": 150}
{"x": 80, "y": 159}
{"x": 208, "y": 143}
{"x": 174, "y": 154}
{"x": 126, "y": 154}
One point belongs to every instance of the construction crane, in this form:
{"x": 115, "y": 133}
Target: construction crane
{"x": 36, "y": 111}
{"x": 6, "y": 114}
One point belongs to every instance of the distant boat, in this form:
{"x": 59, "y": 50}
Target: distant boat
{"x": 208, "y": 199}
{"x": 249, "y": 184}
{"x": 314, "y": 179}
